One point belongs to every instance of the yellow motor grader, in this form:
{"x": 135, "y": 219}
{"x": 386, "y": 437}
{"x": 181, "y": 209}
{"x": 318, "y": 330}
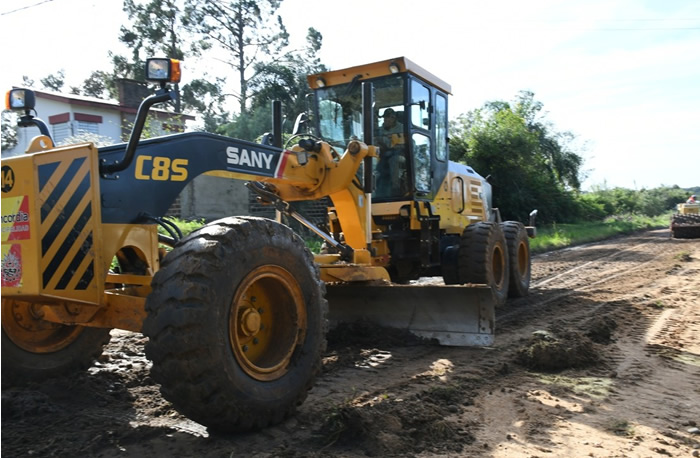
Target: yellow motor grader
{"x": 236, "y": 312}
{"x": 685, "y": 222}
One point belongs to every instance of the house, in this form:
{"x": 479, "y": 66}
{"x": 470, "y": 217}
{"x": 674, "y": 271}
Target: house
{"x": 69, "y": 115}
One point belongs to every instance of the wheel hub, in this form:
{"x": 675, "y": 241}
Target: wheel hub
{"x": 267, "y": 322}
{"x": 250, "y": 321}
{"x": 23, "y": 325}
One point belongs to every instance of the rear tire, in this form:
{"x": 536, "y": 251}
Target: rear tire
{"x": 34, "y": 349}
{"x": 236, "y": 323}
{"x": 483, "y": 258}
{"x": 518, "y": 257}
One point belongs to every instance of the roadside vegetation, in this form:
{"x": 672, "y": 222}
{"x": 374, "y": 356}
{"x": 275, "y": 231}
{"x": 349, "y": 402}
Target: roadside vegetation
{"x": 554, "y": 236}
{"x": 617, "y": 212}
{"x": 610, "y": 212}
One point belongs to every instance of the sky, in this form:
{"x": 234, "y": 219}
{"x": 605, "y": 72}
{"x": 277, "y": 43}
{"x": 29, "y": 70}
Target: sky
{"x": 622, "y": 75}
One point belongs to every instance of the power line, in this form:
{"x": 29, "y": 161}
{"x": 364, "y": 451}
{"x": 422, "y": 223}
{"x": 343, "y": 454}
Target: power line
{"x": 25, "y": 7}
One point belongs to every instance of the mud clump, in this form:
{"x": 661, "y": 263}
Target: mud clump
{"x": 557, "y": 350}
{"x": 600, "y": 329}
{"x": 399, "y": 427}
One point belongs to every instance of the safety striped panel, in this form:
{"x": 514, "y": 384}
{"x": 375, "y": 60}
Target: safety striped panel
{"x": 67, "y": 218}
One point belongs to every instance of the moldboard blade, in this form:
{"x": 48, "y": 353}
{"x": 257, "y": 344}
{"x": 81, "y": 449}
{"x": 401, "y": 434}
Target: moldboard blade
{"x": 462, "y": 316}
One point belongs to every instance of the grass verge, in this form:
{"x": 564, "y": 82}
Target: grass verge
{"x": 562, "y": 235}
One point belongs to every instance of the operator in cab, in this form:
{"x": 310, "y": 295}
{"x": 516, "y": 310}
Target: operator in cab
{"x": 391, "y": 168}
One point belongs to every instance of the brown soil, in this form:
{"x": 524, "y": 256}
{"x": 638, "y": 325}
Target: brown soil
{"x": 602, "y": 360}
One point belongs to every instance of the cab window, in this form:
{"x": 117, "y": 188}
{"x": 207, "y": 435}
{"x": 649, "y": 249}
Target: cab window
{"x": 441, "y": 125}
{"x": 420, "y": 101}
{"x": 421, "y": 158}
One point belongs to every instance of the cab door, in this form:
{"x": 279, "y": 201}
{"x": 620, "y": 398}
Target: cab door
{"x": 428, "y": 138}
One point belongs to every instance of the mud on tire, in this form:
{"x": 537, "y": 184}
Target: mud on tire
{"x": 483, "y": 258}
{"x": 236, "y": 322}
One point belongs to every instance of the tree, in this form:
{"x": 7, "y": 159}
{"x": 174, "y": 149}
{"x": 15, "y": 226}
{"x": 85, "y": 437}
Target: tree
{"x": 285, "y": 81}
{"x": 248, "y": 33}
{"x": 9, "y": 130}
{"x": 54, "y": 82}
{"x": 531, "y": 165}
{"x": 207, "y": 98}
{"x": 98, "y": 85}
{"x": 155, "y": 31}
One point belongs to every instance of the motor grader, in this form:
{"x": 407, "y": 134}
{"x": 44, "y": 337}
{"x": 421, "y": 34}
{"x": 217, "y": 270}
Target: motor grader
{"x": 236, "y": 313}
{"x": 685, "y": 222}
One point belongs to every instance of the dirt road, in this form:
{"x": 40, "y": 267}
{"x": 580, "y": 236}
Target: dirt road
{"x": 602, "y": 359}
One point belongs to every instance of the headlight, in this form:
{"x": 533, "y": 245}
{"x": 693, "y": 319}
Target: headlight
{"x": 20, "y": 99}
{"x": 163, "y": 70}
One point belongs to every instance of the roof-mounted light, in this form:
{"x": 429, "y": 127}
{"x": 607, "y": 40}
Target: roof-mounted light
{"x": 320, "y": 82}
{"x": 394, "y": 67}
{"x": 20, "y": 100}
{"x": 161, "y": 70}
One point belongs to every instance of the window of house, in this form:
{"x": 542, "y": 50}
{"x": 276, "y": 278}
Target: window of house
{"x": 86, "y": 123}
{"x": 60, "y": 127}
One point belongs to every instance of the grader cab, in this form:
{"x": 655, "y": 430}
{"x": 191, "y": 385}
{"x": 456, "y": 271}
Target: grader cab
{"x": 236, "y": 313}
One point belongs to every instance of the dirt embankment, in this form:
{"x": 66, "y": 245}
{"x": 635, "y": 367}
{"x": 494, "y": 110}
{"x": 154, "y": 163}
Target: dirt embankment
{"x": 602, "y": 359}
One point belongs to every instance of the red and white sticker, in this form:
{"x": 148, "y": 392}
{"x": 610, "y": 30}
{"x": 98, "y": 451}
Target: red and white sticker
{"x": 15, "y": 218}
{"x": 12, "y": 265}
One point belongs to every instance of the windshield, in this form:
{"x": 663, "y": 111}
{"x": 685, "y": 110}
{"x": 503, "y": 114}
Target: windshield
{"x": 340, "y": 113}
{"x": 340, "y": 108}
{"x": 340, "y": 121}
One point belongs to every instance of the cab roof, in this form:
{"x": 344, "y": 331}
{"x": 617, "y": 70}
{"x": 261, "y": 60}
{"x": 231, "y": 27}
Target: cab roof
{"x": 374, "y": 70}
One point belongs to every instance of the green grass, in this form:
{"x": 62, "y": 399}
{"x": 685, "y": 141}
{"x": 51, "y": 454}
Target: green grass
{"x": 186, "y": 226}
{"x": 562, "y": 235}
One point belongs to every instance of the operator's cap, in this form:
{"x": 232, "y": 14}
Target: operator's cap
{"x": 388, "y": 112}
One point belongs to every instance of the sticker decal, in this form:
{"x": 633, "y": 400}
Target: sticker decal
{"x": 257, "y": 161}
{"x": 12, "y": 265}
{"x": 8, "y": 178}
{"x": 15, "y": 218}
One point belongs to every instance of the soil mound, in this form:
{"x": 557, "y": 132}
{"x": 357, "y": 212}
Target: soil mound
{"x": 557, "y": 350}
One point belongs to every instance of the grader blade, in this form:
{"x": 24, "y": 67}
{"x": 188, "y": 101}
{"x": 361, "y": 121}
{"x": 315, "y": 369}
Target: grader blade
{"x": 685, "y": 226}
{"x": 457, "y": 316}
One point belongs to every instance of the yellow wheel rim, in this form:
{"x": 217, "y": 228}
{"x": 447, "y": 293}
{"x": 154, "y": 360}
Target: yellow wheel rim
{"x": 24, "y": 326}
{"x": 499, "y": 264}
{"x": 523, "y": 256}
{"x": 267, "y": 322}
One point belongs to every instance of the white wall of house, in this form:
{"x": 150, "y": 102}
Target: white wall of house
{"x": 103, "y": 121}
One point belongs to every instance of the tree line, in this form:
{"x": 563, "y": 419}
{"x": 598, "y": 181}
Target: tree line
{"x": 530, "y": 164}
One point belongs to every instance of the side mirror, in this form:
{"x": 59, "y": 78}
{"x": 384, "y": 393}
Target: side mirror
{"x": 533, "y": 215}
{"x": 267, "y": 139}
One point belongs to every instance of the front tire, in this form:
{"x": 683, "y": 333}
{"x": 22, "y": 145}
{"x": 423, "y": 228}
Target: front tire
{"x": 483, "y": 258}
{"x": 34, "y": 349}
{"x": 236, "y": 324}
